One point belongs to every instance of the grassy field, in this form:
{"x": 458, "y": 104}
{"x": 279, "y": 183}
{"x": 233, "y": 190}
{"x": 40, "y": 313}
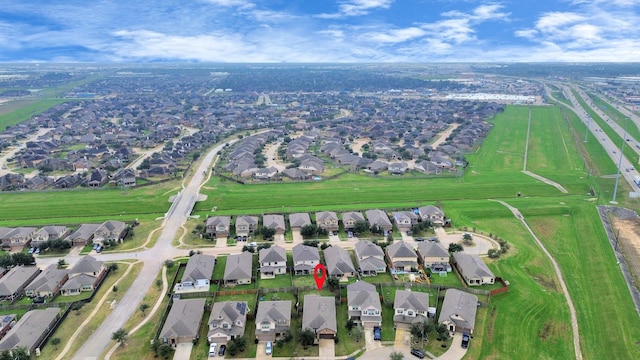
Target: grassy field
{"x": 22, "y": 110}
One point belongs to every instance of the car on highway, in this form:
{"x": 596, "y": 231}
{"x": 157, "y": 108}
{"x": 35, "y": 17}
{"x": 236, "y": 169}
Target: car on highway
{"x": 268, "y": 348}
{"x": 465, "y": 340}
{"x": 212, "y": 349}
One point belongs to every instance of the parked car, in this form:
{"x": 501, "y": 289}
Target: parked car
{"x": 222, "y": 349}
{"x": 212, "y": 349}
{"x": 419, "y": 239}
{"x": 99, "y": 249}
{"x": 37, "y": 251}
{"x": 349, "y": 234}
{"x": 417, "y": 353}
{"x": 253, "y": 244}
{"x": 376, "y": 333}
{"x": 269, "y": 348}
{"x": 465, "y": 340}
{"x": 31, "y": 250}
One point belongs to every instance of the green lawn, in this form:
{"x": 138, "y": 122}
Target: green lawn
{"x": 346, "y": 344}
{"x": 280, "y": 281}
{"x": 293, "y": 348}
{"x": 218, "y": 270}
{"x": 380, "y": 278}
{"x": 27, "y": 111}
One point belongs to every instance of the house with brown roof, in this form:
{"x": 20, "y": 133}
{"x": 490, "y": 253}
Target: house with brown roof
{"x": 218, "y": 226}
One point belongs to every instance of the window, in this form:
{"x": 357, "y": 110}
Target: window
{"x": 225, "y": 326}
{"x": 410, "y": 313}
{"x": 399, "y": 311}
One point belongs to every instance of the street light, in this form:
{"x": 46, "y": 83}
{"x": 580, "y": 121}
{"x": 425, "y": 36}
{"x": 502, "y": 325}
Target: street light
{"x": 615, "y": 188}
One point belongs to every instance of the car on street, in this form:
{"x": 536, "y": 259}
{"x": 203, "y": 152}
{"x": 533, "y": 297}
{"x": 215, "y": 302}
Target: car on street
{"x": 417, "y": 353}
{"x": 222, "y": 349}
{"x": 376, "y": 333}
{"x": 268, "y": 348}
{"x": 212, "y": 349}
{"x": 465, "y": 340}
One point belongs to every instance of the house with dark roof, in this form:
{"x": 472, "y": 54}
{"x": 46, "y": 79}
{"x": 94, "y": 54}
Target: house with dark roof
{"x": 473, "y": 270}
{"x": 83, "y": 235}
{"x": 218, "y": 226}
{"x": 97, "y": 178}
{"x": 227, "y": 321}
{"x": 410, "y": 307}
{"x": 458, "y": 311}
{"x": 364, "y": 304}
{"x": 319, "y": 316}
{"x": 273, "y": 261}
{"x": 305, "y": 259}
{"x": 339, "y": 262}
{"x": 370, "y": 258}
{"x": 238, "y": 269}
{"x": 379, "y": 218}
{"x": 18, "y": 238}
{"x": 30, "y": 331}
{"x": 48, "y": 283}
{"x": 273, "y": 320}
{"x": 12, "y": 284}
{"x": 197, "y": 274}
{"x": 402, "y": 257}
{"x": 327, "y": 220}
{"x": 183, "y": 321}
{"x": 110, "y": 230}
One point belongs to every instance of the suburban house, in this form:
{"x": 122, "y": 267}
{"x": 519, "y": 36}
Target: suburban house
{"x": 48, "y": 283}
{"x": 30, "y": 331}
{"x": 305, "y": 259}
{"x": 218, "y": 226}
{"x": 197, "y": 274}
{"x": 364, "y": 304}
{"x": 183, "y": 321}
{"x": 473, "y": 270}
{"x": 319, "y": 315}
{"x": 299, "y": 220}
{"x": 245, "y": 225}
{"x": 459, "y": 311}
{"x": 19, "y": 238}
{"x": 370, "y": 258}
{"x": 327, "y": 220}
{"x": 433, "y": 255}
{"x": 109, "y": 230}
{"x": 339, "y": 263}
{"x": 398, "y": 168}
{"x": 227, "y": 321}
{"x": 48, "y": 233}
{"x": 12, "y": 284}
{"x": 273, "y": 320}
{"x": 350, "y": 218}
{"x": 410, "y": 307}
{"x": 85, "y": 275}
{"x": 6, "y": 323}
{"x": 379, "y": 218}
{"x": 238, "y": 269}
{"x": 432, "y": 214}
{"x": 273, "y": 261}
{"x": 275, "y": 222}
{"x": 402, "y": 256}
{"x": 405, "y": 219}
{"x": 83, "y": 235}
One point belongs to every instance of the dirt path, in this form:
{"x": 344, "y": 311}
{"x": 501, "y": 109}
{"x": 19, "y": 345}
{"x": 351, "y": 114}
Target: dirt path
{"x": 629, "y": 242}
{"x": 356, "y": 145}
{"x": 563, "y": 285}
{"x": 443, "y": 136}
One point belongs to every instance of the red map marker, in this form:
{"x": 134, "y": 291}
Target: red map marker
{"x": 320, "y": 278}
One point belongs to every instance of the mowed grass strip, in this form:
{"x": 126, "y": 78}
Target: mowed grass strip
{"x": 24, "y": 110}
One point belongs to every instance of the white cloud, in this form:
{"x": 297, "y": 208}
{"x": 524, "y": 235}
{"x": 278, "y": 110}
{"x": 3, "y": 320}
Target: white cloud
{"x": 231, "y": 3}
{"x": 357, "y": 8}
{"x": 398, "y": 35}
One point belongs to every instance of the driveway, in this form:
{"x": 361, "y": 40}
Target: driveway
{"x": 261, "y": 351}
{"x": 297, "y": 237}
{"x": 482, "y": 244}
{"x": 369, "y": 342}
{"x": 334, "y": 238}
{"x": 327, "y": 349}
{"x": 183, "y": 351}
{"x": 455, "y": 352}
{"x": 278, "y": 239}
{"x": 403, "y": 339}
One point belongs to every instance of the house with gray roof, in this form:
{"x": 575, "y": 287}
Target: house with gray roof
{"x": 85, "y": 275}
{"x": 364, "y": 304}
{"x": 12, "y": 284}
{"x": 402, "y": 256}
{"x": 109, "y": 230}
{"x": 432, "y": 214}
{"x": 274, "y": 221}
{"x": 370, "y": 258}
{"x": 433, "y": 255}
{"x": 19, "y": 238}
{"x": 404, "y": 220}
{"x": 379, "y": 218}
{"x": 473, "y": 270}
{"x": 339, "y": 262}
{"x": 218, "y": 226}
{"x": 83, "y": 235}
{"x": 245, "y": 225}
{"x": 49, "y": 233}
{"x": 305, "y": 259}
{"x": 238, "y": 269}
{"x": 458, "y": 311}
{"x": 273, "y": 261}
{"x": 273, "y": 320}
{"x": 183, "y": 321}
{"x": 398, "y": 168}
{"x": 299, "y": 220}
{"x": 410, "y": 307}
{"x": 319, "y": 315}
{"x": 350, "y": 218}
{"x": 197, "y": 274}
{"x": 227, "y": 321}
{"x": 327, "y": 220}
{"x": 48, "y": 283}
{"x": 30, "y": 331}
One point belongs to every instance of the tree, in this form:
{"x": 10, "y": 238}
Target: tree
{"x": 5, "y": 355}
{"x": 361, "y": 226}
{"x": 165, "y": 350}
{"x": 112, "y": 267}
{"x": 267, "y": 233}
{"x": 121, "y": 335}
{"x": 307, "y": 337}
{"x": 21, "y": 258}
{"x": 308, "y": 231}
{"x": 77, "y": 306}
{"x": 169, "y": 263}
{"x": 232, "y": 348}
{"x": 350, "y": 324}
{"x": 55, "y": 342}
{"x": 143, "y": 308}
{"x": 61, "y": 263}
{"x": 396, "y": 356}
{"x": 158, "y": 283}
{"x": 333, "y": 283}
{"x": 467, "y": 239}
{"x": 453, "y": 247}
{"x": 155, "y": 347}
{"x": 20, "y": 353}
{"x": 442, "y": 331}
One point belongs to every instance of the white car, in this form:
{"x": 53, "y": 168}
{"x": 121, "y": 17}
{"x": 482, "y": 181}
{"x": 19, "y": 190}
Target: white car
{"x": 268, "y": 348}
{"x": 212, "y": 349}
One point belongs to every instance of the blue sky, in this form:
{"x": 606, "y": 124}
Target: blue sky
{"x": 319, "y": 30}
